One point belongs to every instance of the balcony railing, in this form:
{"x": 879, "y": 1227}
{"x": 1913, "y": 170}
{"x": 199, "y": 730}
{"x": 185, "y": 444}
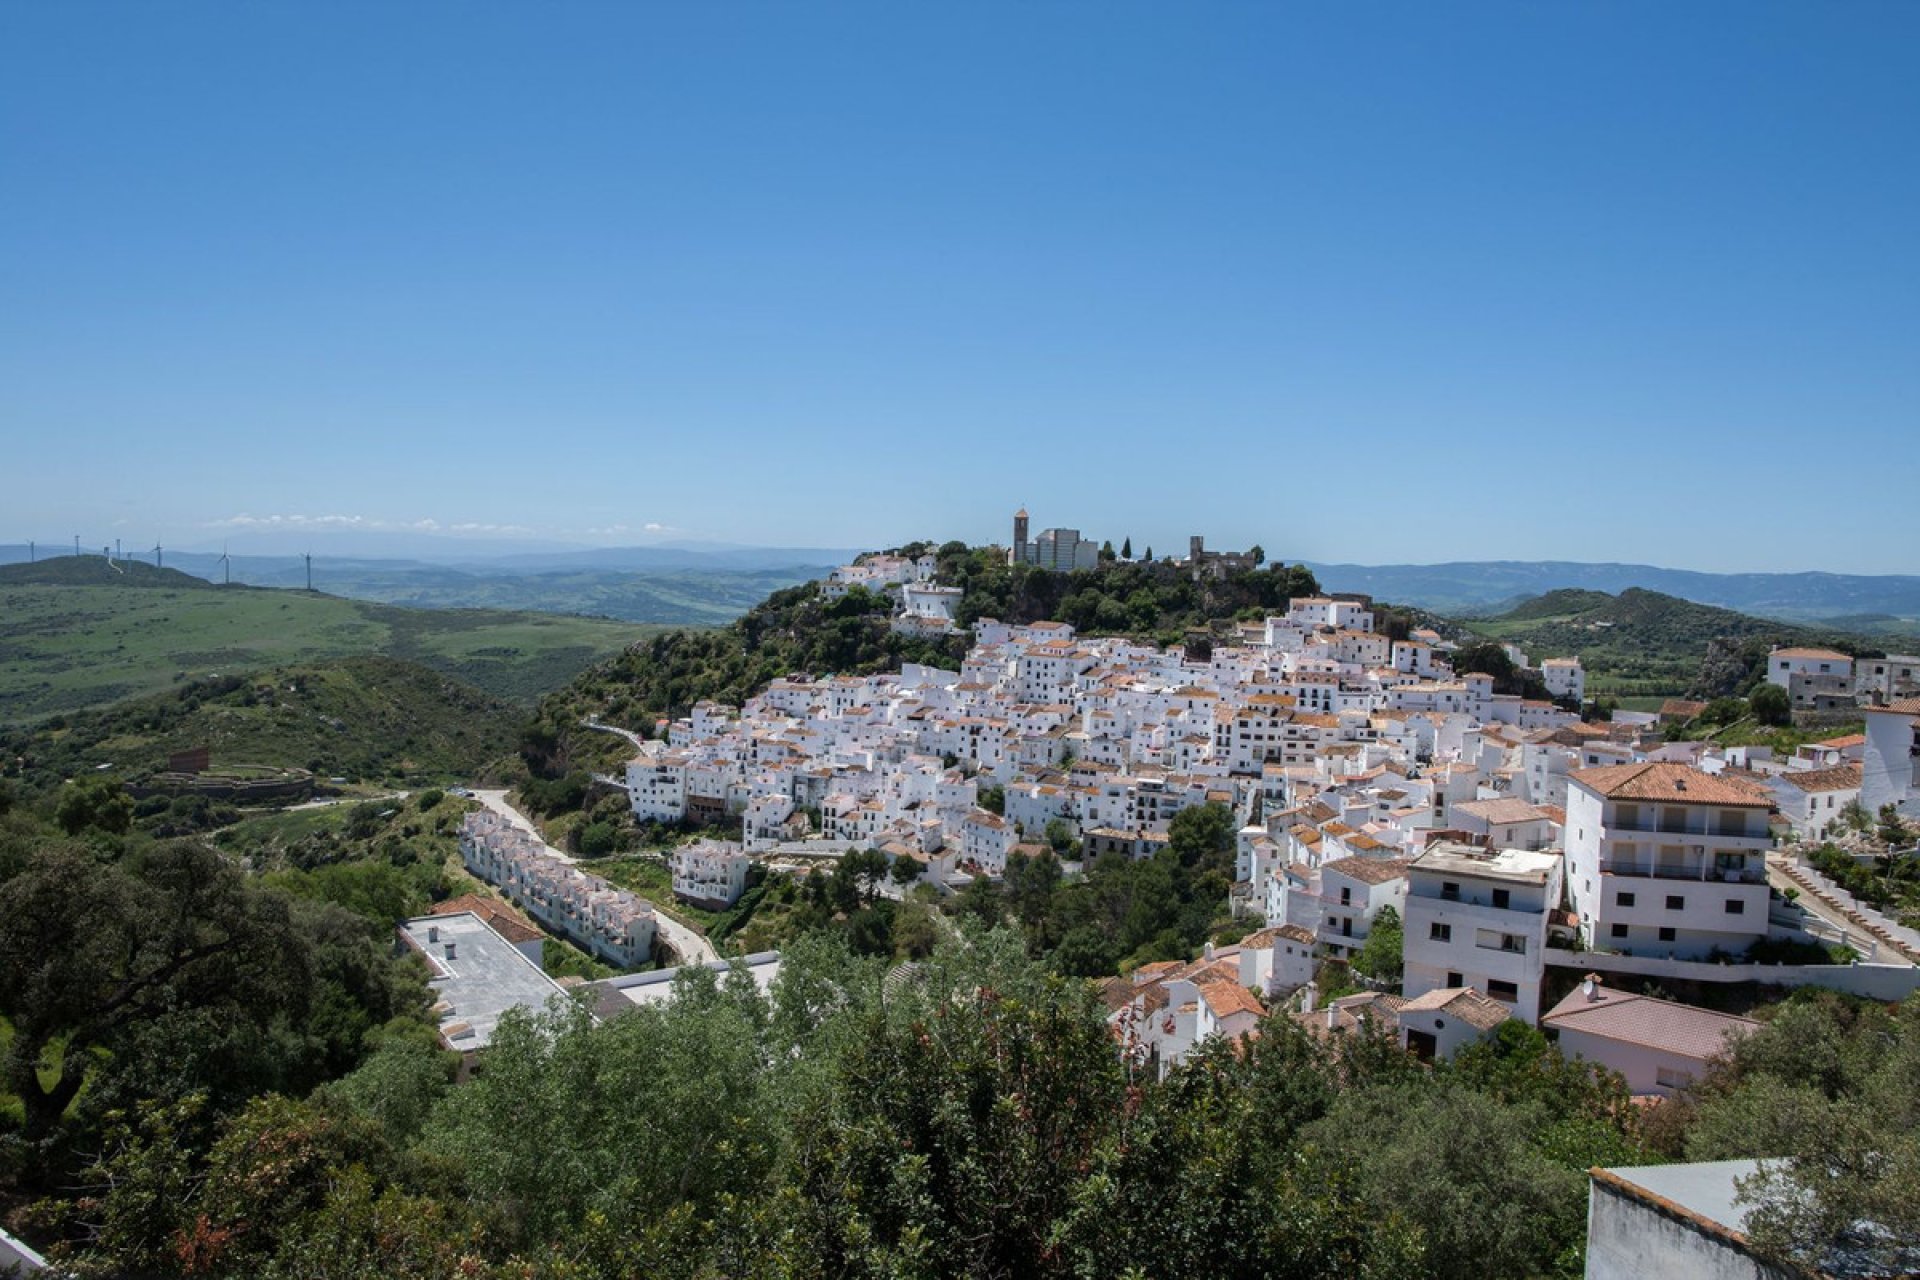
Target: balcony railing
{"x": 1705, "y": 872}
{"x": 1662, "y": 828}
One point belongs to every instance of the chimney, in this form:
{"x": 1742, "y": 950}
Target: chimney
{"x": 1333, "y": 1015}
{"x": 450, "y": 949}
{"x": 1308, "y": 994}
{"x": 433, "y": 933}
{"x": 1591, "y": 987}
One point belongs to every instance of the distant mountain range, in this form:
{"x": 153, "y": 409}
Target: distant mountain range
{"x": 1882, "y": 603}
{"x": 673, "y": 585}
{"x": 708, "y": 583}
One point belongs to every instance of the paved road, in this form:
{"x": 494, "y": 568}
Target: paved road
{"x": 628, "y": 734}
{"x": 687, "y": 944}
{"x": 330, "y": 801}
{"x": 496, "y": 801}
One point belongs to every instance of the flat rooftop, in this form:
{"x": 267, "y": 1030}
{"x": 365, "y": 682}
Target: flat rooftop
{"x": 614, "y": 996}
{"x": 1522, "y": 866}
{"x": 484, "y": 977}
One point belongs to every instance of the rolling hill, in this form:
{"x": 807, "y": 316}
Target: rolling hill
{"x": 366, "y": 718}
{"x": 1646, "y": 644}
{"x": 1491, "y": 586}
{"x": 79, "y": 632}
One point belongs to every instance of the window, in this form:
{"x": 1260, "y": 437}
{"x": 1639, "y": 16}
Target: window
{"x": 1735, "y": 907}
{"x": 1455, "y": 980}
{"x": 1440, "y": 932}
{"x": 1619, "y": 931}
{"x": 1623, "y": 899}
{"x": 1667, "y": 935}
{"x": 1507, "y": 991}
{"x": 1346, "y": 896}
{"x": 1450, "y": 891}
{"x": 1501, "y": 898}
{"x": 1671, "y": 1077}
{"x": 1676, "y": 902}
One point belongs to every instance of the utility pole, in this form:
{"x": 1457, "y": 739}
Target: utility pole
{"x": 76, "y": 544}
{"x": 33, "y": 553}
{"x": 116, "y": 549}
{"x": 309, "y": 559}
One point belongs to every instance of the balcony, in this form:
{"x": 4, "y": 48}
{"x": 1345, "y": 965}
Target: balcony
{"x": 1704, "y": 873}
{"x": 1664, "y": 828}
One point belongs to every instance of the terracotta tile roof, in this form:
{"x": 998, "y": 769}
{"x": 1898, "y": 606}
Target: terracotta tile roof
{"x": 1280, "y": 932}
{"x": 1830, "y": 654}
{"x": 1463, "y": 1003}
{"x": 1644, "y": 1020}
{"x": 1501, "y": 812}
{"x": 1844, "y": 741}
{"x": 1676, "y": 783}
{"x": 1347, "y": 1013}
{"x": 1370, "y": 870}
{"x": 1227, "y": 997}
{"x": 1844, "y": 777}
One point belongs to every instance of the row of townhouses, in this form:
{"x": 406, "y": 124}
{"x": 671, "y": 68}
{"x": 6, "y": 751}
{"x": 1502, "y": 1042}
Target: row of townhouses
{"x": 610, "y": 922}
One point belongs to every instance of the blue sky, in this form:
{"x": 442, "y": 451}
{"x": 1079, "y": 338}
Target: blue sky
{"x": 1384, "y": 282}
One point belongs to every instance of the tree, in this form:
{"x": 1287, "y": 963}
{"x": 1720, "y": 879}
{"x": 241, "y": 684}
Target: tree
{"x": 1258, "y": 554}
{"x": 906, "y": 870}
{"x": 1148, "y": 557}
{"x": 1107, "y": 555}
{"x": 94, "y": 804}
{"x": 1770, "y": 705}
{"x": 1380, "y": 955}
{"x": 993, "y": 799}
{"x": 1893, "y": 828}
{"x": 1126, "y": 548}
{"x": 92, "y": 956}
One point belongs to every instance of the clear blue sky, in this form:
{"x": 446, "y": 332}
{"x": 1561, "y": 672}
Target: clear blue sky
{"x": 1382, "y": 282}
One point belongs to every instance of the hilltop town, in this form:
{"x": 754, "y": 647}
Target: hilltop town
{"x": 1513, "y": 844}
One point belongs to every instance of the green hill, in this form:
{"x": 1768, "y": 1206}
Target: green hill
{"x": 98, "y": 571}
{"x": 1645, "y": 644}
{"x": 363, "y": 718}
{"x": 76, "y": 632}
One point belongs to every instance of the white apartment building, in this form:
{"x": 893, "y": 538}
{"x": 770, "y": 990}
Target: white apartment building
{"x": 1564, "y": 678}
{"x": 1812, "y": 800}
{"x": 1807, "y": 674}
{"x": 709, "y": 873}
{"x": 1664, "y": 860}
{"x": 657, "y": 787}
{"x": 1352, "y": 892}
{"x": 1884, "y": 679}
{"x": 1478, "y": 918}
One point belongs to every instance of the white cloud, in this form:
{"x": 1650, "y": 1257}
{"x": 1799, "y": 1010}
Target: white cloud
{"x": 375, "y": 524}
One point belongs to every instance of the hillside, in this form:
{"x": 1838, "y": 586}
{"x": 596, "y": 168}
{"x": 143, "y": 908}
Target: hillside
{"x": 77, "y": 633}
{"x": 799, "y": 630}
{"x": 1645, "y": 644}
{"x": 363, "y": 718}
{"x": 1480, "y": 586}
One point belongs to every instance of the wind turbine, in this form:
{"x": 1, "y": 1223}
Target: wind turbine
{"x": 226, "y": 567}
{"x": 309, "y": 559}
{"x": 156, "y": 553}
